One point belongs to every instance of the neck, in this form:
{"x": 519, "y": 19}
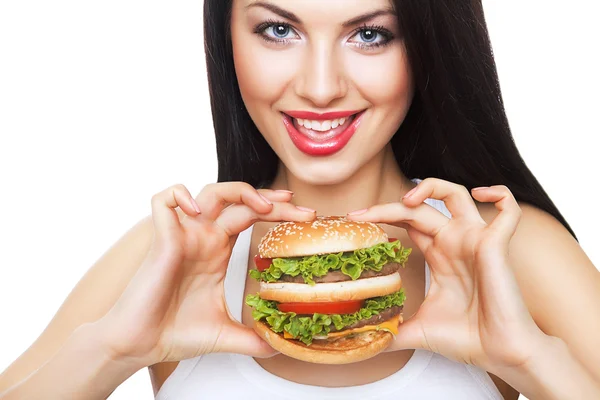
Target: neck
{"x": 379, "y": 181}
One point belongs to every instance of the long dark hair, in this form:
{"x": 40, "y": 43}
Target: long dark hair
{"x": 456, "y": 128}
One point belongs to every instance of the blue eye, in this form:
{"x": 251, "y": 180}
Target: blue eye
{"x": 279, "y": 31}
{"x": 369, "y": 35}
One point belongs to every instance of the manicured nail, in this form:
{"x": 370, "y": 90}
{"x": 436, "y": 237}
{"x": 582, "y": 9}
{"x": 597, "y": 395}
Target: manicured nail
{"x": 266, "y": 200}
{"x": 410, "y": 193}
{"x": 357, "y": 212}
{"x": 480, "y": 188}
{"x": 284, "y": 191}
{"x": 195, "y": 205}
{"x": 305, "y": 209}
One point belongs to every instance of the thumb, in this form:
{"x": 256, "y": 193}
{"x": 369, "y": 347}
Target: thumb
{"x": 240, "y": 339}
{"x": 410, "y": 336}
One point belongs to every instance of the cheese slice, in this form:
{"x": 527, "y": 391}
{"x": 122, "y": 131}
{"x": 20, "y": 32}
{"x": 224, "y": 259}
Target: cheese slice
{"x": 390, "y": 325}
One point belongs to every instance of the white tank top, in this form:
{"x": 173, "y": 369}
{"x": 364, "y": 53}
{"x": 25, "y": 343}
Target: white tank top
{"x": 425, "y": 376}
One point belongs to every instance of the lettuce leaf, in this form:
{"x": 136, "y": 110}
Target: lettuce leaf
{"x": 351, "y": 263}
{"x": 304, "y": 328}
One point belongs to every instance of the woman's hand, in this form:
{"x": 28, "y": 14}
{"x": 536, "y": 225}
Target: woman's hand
{"x": 174, "y": 308}
{"x": 474, "y": 312}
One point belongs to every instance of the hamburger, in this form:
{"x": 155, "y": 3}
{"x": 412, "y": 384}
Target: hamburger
{"x": 330, "y": 289}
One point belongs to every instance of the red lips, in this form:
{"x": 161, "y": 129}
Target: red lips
{"x": 322, "y": 147}
{"x": 324, "y": 116}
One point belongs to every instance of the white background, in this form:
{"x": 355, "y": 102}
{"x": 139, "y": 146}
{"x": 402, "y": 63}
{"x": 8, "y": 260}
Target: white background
{"x": 102, "y": 104}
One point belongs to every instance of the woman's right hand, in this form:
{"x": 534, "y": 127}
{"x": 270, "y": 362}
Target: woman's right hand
{"x": 174, "y": 307}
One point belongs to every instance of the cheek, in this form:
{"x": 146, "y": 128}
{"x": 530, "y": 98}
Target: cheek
{"x": 382, "y": 79}
{"x": 263, "y": 74}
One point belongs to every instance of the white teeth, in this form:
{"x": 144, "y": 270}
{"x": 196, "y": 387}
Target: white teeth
{"x": 321, "y": 126}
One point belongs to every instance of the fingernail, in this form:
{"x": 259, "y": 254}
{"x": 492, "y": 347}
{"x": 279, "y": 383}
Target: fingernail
{"x": 266, "y": 200}
{"x": 195, "y": 205}
{"x": 305, "y": 209}
{"x": 410, "y": 193}
{"x": 480, "y": 188}
{"x": 284, "y": 191}
{"x": 357, "y": 212}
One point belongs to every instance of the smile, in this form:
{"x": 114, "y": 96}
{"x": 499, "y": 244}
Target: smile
{"x": 321, "y": 134}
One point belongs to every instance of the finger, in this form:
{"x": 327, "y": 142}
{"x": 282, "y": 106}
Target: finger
{"x": 273, "y": 196}
{"x": 410, "y": 336}
{"x": 240, "y": 339}
{"x": 506, "y": 222}
{"x": 277, "y": 195}
{"x": 456, "y": 197}
{"x": 422, "y": 240}
{"x": 238, "y": 217}
{"x": 215, "y": 197}
{"x": 164, "y": 203}
{"x": 423, "y": 217}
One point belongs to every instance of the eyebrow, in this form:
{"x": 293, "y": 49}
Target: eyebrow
{"x": 294, "y": 18}
{"x": 369, "y": 16}
{"x": 277, "y": 10}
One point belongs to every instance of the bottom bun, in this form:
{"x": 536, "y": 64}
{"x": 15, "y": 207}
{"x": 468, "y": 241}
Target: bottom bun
{"x": 344, "y": 350}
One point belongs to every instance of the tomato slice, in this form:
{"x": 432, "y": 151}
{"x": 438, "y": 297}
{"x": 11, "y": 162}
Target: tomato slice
{"x": 393, "y": 240}
{"x": 262, "y": 263}
{"x": 339, "y": 307}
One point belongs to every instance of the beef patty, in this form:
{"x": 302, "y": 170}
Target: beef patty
{"x": 383, "y": 316}
{"x": 339, "y": 276}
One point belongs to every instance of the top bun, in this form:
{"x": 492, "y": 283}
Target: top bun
{"x": 321, "y": 236}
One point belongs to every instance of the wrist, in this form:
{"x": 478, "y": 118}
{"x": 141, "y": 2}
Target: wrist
{"x": 102, "y": 370}
{"x": 550, "y": 372}
{"x": 83, "y": 368}
{"x": 111, "y": 346}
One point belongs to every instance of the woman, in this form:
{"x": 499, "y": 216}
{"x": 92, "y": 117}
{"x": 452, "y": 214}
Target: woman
{"x": 414, "y": 93}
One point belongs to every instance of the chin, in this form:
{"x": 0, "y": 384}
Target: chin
{"x": 325, "y": 172}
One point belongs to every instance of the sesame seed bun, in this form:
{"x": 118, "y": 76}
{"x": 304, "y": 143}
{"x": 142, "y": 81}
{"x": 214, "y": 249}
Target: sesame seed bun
{"x": 336, "y": 291}
{"x": 343, "y": 350}
{"x": 321, "y": 236}
{"x": 327, "y": 235}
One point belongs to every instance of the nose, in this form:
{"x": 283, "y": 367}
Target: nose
{"x": 321, "y": 79}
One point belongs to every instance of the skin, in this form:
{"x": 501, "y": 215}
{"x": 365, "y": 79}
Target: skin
{"x": 532, "y": 258}
{"x": 325, "y": 69}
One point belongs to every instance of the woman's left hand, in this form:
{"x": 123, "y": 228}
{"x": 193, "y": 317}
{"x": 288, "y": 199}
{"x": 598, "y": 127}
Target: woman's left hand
{"x": 474, "y": 312}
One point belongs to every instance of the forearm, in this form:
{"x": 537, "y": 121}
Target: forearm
{"x": 82, "y": 369}
{"x": 553, "y": 373}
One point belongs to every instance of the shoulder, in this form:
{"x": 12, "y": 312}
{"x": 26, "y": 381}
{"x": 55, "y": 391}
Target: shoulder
{"x": 538, "y": 236}
{"x": 559, "y": 283}
{"x": 542, "y": 246}
{"x": 535, "y": 227}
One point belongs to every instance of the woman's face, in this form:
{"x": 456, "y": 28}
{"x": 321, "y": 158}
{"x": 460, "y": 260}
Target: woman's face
{"x": 326, "y": 82}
